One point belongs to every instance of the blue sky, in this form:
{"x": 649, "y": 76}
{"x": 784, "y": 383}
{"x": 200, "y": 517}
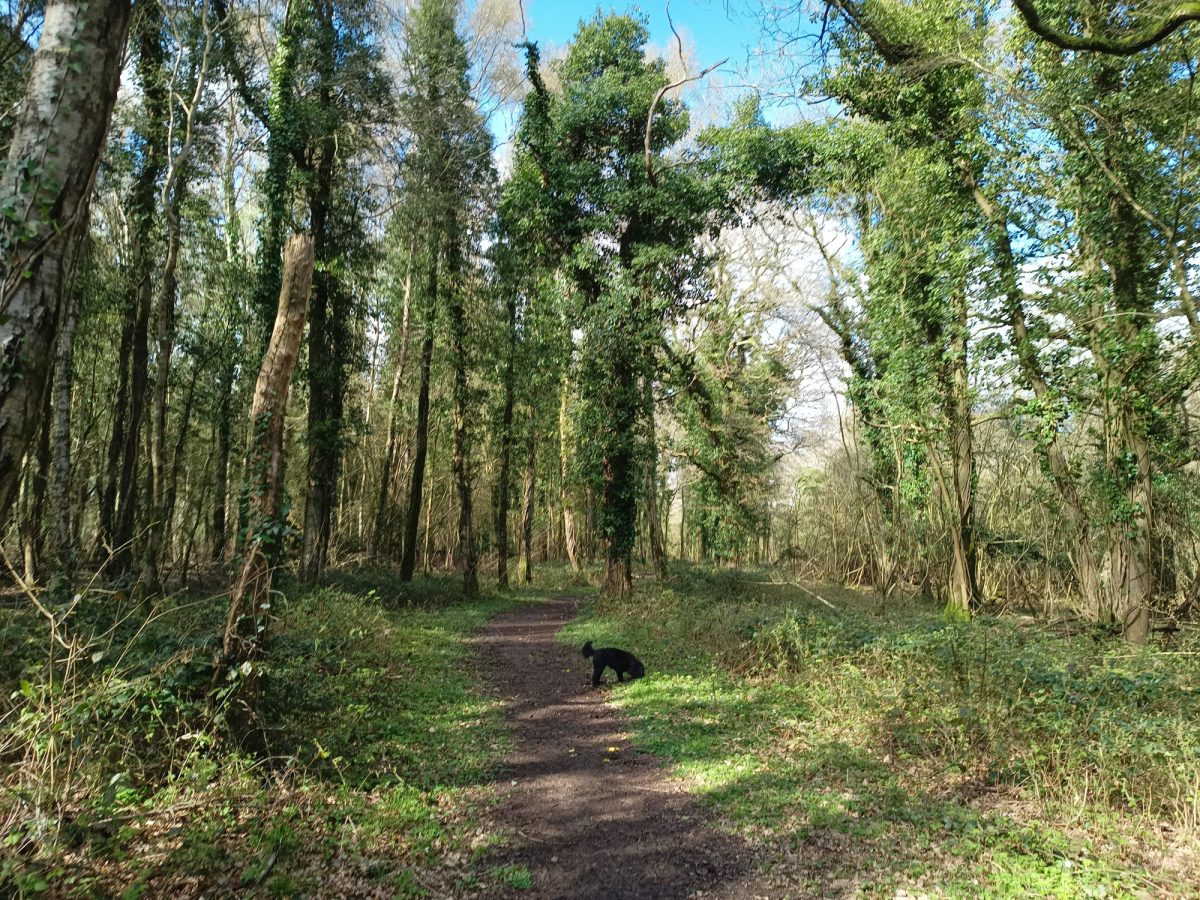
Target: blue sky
{"x": 711, "y": 29}
{"x": 716, "y": 31}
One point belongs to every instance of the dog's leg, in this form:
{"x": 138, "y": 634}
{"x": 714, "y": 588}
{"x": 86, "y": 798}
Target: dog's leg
{"x": 620, "y": 676}
{"x": 597, "y": 668}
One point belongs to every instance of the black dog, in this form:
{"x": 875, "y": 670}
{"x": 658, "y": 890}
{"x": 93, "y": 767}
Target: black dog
{"x": 620, "y": 661}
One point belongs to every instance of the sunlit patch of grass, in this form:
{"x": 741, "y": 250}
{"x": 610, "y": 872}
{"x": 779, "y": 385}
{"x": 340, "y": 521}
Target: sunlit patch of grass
{"x": 956, "y": 758}
{"x": 515, "y": 876}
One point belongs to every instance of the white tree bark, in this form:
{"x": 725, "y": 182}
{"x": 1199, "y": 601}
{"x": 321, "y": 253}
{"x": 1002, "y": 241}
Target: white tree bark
{"x": 44, "y": 193}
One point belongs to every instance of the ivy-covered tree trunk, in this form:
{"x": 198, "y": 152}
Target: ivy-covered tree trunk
{"x": 165, "y": 339}
{"x": 107, "y": 501}
{"x": 282, "y": 126}
{"x": 1049, "y": 443}
{"x": 504, "y": 476}
{"x": 139, "y": 386}
{"x": 654, "y": 531}
{"x": 408, "y": 561}
{"x": 460, "y": 457}
{"x": 178, "y": 458}
{"x": 1126, "y": 359}
{"x": 220, "y": 537}
{"x": 964, "y": 587}
{"x": 565, "y": 445}
{"x": 45, "y": 190}
{"x": 151, "y": 72}
{"x": 527, "y": 503}
{"x": 247, "y": 625}
{"x": 326, "y": 382}
{"x": 618, "y": 511}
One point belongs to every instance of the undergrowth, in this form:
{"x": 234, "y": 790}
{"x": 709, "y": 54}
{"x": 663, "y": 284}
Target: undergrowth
{"x": 119, "y": 784}
{"x": 900, "y": 751}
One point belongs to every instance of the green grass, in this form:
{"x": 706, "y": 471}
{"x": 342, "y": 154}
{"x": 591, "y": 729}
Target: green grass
{"x": 514, "y": 876}
{"x": 381, "y": 746}
{"x": 901, "y": 751}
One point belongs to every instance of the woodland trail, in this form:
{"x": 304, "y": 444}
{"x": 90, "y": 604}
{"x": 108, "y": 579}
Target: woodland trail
{"x": 590, "y": 822}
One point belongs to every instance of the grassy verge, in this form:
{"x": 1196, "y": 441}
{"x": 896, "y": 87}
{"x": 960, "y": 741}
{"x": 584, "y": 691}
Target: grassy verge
{"x": 880, "y": 748}
{"x": 381, "y": 746}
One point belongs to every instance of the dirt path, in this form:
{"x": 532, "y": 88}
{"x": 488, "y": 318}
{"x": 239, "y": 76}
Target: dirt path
{"x": 590, "y": 822}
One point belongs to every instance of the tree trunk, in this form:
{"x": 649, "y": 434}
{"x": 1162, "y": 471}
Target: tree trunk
{"x": 682, "y": 516}
{"x": 964, "y": 586}
{"x": 165, "y": 339}
{"x": 108, "y": 493}
{"x": 228, "y": 371}
{"x": 654, "y": 531}
{"x": 1131, "y": 568}
{"x": 565, "y": 444}
{"x": 151, "y": 66}
{"x": 505, "y": 474}
{"x": 281, "y": 135}
{"x": 619, "y": 500}
{"x": 127, "y": 501}
{"x": 1126, "y": 379}
{"x": 221, "y": 477}
{"x": 62, "y": 544}
{"x": 383, "y": 499}
{"x": 460, "y": 456}
{"x": 1054, "y": 458}
{"x": 326, "y": 347}
{"x": 37, "y": 484}
{"x": 527, "y": 505}
{"x": 409, "y": 560}
{"x": 46, "y": 188}
{"x": 177, "y": 458}
{"x": 246, "y": 627}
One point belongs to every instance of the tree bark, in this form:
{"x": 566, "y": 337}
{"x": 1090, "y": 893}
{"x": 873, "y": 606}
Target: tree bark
{"x": 246, "y": 627}
{"x": 35, "y": 513}
{"x": 383, "y": 499}
{"x": 151, "y": 73}
{"x": 177, "y": 458}
{"x": 618, "y": 500}
{"x": 1131, "y": 569}
{"x": 327, "y": 330}
{"x": 658, "y": 553}
{"x": 62, "y": 543}
{"x": 461, "y": 453}
{"x": 46, "y": 188}
{"x": 221, "y": 476}
{"x": 165, "y": 340}
{"x": 127, "y": 502}
{"x": 505, "y": 475}
{"x": 565, "y": 444}
{"x": 408, "y": 561}
{"x": 107, "y": 512}
{"x": 527, "y": 505}
{"x": 964, "y": 585}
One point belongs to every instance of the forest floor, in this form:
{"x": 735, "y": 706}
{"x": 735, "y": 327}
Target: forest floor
{"x": 788, "y": 741}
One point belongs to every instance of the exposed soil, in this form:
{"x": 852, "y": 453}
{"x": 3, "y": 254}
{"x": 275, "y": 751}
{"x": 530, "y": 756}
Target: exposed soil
{"x": 589, "y": 820}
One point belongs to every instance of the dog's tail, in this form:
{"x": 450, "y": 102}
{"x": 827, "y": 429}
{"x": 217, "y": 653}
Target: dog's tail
{"x": 587, "y": 649}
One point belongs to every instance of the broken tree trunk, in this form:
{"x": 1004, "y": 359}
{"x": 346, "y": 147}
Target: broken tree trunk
{"x": 250, "y": 597}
